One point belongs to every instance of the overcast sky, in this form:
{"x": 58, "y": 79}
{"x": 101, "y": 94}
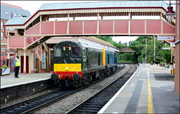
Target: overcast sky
{"x": 32, "y": 7}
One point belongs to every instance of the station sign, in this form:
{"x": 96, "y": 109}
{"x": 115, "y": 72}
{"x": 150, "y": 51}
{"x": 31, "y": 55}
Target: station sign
{"x": 166, "y": 48}
{"x": 172, "y": 44}
{"x": 165, "y": 38}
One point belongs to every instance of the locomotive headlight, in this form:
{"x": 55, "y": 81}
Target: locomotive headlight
{"x": 66, "y": 68}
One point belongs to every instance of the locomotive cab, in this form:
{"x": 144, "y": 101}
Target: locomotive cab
{"x": 67, "y": 59}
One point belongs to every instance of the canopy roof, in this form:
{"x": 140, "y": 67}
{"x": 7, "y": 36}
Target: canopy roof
{"x": 91, "y": 5}
{"x": 104, "y": 4}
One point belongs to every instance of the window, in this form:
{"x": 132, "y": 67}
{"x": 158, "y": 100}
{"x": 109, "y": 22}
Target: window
{"x": 57, "y": 52}
{"x": 3, "y": 49}
{"x": 11, "y": 51}
{"x": 84, "y": 52}
{"x": 2, "y": 54}
{"x": 11, "y": 34}
{"x": 76, "y": 51}
{"x": 2, "y": 25}
{"x": 24, "y": 16}
{"x": 2, "y": 36}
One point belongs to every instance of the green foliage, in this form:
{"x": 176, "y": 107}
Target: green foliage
{"x": 105, "y": 38}
{"x": 125, "y": 61}
{"x": 4, "y": 66}
{"x": 144, "y": 46}
{"x": 109, "y": 39}
{"x": 126, "y": 57}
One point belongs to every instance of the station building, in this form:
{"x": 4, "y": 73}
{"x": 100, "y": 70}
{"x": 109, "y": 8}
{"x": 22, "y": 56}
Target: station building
{"x": 8, "y": 12}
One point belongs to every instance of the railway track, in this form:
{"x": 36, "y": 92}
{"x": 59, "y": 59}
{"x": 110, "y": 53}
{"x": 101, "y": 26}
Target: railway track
{"x": 96, "y": 102}
{"x": 37, "y": 103}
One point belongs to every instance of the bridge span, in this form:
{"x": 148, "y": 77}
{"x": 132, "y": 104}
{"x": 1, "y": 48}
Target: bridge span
{"x": 109, "y": 18}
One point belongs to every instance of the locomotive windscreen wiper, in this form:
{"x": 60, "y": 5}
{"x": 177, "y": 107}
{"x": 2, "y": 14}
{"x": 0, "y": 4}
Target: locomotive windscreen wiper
{"x": 65, "y": 61}
{"x": 73, "y": 60}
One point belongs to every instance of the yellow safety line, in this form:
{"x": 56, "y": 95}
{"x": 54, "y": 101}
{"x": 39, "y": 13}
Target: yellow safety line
{"x": 150, "y": 105}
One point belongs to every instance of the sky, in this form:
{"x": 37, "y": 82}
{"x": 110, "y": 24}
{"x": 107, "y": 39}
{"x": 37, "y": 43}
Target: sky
{"x": 32, "y": 7}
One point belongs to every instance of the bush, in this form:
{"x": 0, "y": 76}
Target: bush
{"x": 4, "y": 66}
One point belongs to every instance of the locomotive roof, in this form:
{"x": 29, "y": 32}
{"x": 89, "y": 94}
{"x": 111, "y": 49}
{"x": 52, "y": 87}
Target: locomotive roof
{"x": 99, "y": 41}
{"x": 56, "y": 40}
{"x": 91, "y": 42}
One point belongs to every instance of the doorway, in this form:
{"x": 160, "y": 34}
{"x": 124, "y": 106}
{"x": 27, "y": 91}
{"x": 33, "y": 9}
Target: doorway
{"x": 27, "y": 64}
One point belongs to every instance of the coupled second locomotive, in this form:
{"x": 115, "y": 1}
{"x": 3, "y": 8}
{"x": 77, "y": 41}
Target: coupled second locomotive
{"x": 76, "y": 64}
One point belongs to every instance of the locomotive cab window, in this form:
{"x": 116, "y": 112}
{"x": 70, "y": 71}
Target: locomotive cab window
{"x": 84, "y": 52}
{"x": 67, "y": 51}
{"x": 76, "y": 51}
{"x": 58, "y": 52}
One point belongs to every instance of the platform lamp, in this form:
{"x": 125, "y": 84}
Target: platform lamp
{"x": 170, "y": 14}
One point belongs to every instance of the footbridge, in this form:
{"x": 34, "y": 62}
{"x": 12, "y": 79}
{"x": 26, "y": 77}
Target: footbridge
{"x": 89, "y": 19}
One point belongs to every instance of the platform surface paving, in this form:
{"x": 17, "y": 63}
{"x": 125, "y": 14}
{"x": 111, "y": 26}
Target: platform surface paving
{"x": 10, "y": 80}
{"x": 149, "y": 90}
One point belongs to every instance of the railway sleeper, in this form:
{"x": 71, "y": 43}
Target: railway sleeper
{"x": 97, "y": 102}
{"x": 98, "y": 106}
{"x": 88, "y": 111}
{"x": 102, "y": 100}
{"x": 89, "y": 108}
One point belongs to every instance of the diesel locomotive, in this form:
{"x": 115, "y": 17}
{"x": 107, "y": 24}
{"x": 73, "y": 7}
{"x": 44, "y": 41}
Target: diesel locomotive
{"x": 76, "y": 64}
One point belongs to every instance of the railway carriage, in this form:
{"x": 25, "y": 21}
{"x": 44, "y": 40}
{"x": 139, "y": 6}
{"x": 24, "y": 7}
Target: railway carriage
{"x": 75, "y": 64}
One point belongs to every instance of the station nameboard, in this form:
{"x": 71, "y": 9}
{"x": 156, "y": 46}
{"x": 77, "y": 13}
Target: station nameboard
{"x": 166, "y": 48}
{"x": 172, "y": 44}
{"x": 165, "y": 38}
{"x": 43, "y": 61}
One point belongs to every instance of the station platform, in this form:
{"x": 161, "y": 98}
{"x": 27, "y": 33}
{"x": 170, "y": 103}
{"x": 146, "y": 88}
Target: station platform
{"x": 149, "y": 90}
{"x": 10, "y": 81}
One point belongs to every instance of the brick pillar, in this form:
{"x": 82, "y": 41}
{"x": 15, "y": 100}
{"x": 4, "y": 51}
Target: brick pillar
{"x": 177, "y": 49}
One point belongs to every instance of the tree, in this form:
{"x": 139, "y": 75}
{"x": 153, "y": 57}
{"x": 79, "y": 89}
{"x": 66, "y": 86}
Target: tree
{"x": 109, "y": 39}
{"x": 144, "y": 46}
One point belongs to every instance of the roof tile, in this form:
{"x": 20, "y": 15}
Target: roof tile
{"x": 8, "y": 12}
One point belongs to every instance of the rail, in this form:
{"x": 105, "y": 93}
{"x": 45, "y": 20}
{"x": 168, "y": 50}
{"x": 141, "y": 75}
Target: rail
{"x": 37, "y": 103}
{"x": 96, "y": 102}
